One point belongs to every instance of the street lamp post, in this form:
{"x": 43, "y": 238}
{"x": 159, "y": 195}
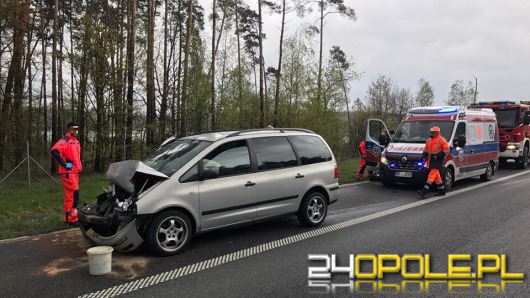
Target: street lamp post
{"x": 476, "y": 84}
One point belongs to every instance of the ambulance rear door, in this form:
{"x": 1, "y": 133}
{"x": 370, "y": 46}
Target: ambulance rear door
{"x": 373, "y": 148}
{"x": 474, "y": 150}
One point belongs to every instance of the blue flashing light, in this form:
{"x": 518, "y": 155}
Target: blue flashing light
{"x": 393, "y": 165}
{"x": 448, "y": 110}
{"x": 506, "y": 102}
{"x": 420, "y": 164}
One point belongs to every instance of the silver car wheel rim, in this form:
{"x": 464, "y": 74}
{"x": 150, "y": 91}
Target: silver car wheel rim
{"x": 316, "y": 209}
{"x": 449, "y": 180}
{"x": 171, "y": 233}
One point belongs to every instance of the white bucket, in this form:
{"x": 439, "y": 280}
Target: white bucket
{"x": 99, "y": 260}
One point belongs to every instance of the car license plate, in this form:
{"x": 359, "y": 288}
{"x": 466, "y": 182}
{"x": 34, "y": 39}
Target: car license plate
{"x": 404, "y": 174}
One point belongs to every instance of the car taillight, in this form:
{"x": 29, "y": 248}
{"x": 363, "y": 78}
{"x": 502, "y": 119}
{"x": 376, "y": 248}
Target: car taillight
{"x": 336, "y": 172}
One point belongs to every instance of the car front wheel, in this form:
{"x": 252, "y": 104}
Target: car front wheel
{"x": 313, "y": 210}
{"x": 169, "y": 233}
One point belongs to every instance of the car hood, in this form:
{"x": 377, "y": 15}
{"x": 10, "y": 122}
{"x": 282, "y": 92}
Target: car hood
{"x": 125, "y": 174}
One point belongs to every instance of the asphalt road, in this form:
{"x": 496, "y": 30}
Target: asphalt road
{"x": 271, "y": 258}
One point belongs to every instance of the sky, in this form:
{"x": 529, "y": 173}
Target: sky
{"x": 439, "y": 40}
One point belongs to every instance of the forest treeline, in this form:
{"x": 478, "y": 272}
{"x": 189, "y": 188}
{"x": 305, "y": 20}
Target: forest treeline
{"x": 133, "y": 72}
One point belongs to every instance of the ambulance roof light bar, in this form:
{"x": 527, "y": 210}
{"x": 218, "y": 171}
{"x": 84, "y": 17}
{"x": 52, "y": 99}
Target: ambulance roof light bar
{"x": 435, "y": 110}
{"x": 505, "y": 102}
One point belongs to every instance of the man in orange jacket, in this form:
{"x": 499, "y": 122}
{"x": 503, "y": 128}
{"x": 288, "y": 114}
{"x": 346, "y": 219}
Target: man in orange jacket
{"x": 436, "y": 148}
{"x": 67, "y": 153}
{"x": 362, "y": 160}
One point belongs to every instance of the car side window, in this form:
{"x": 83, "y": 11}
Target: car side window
{"x": 228, "y": 159}
{"x": 274, "y": 153}
{"x": 310, "y": 149}
{"x": 190, "y": 176}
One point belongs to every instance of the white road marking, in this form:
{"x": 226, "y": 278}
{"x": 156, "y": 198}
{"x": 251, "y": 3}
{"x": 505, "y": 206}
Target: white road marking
{"x": 247, "y": 252}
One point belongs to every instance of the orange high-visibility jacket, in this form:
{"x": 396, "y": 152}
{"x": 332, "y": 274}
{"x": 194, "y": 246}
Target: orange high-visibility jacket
{"x": 66, "y": 150}
{"x": 362, "y": 149}
{"x": 438, "y": 147}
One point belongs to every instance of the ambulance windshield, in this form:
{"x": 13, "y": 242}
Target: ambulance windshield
{"x": 419, "y": 131}
{"x": 507, "y": 118}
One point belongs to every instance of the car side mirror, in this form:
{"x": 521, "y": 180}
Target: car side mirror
{"x": 526, "y": 119}
{"x": 209, "y": 174}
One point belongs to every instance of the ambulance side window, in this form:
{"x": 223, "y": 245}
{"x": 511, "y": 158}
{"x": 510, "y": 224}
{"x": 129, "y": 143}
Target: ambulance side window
{"x": 472, "y": 133}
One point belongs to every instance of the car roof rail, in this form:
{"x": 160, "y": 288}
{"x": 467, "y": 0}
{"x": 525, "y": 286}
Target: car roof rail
{"x": 282, "y": 130}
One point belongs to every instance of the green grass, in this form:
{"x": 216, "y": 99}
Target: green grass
{"x": 38, "y": 209}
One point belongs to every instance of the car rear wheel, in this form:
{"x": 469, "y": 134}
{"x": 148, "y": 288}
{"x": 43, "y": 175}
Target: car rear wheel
{"x": 169, "y": 233}
{"x": 488, "y": 174}
{"x": 313, "y": 209}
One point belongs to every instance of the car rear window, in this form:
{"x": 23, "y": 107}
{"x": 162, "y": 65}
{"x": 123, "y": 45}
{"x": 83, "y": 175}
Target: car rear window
{"x": 274, "y": 153}
{"x": 311, "y": 149}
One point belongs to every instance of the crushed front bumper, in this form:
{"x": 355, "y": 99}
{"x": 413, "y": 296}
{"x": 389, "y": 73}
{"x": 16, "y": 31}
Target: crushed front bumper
{"x": 125, "y": 239}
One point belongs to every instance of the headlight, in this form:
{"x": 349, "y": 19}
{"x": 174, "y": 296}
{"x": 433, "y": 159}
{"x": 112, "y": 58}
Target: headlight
{"x": 384, "y": 160}
{"x": 512, "y": 147}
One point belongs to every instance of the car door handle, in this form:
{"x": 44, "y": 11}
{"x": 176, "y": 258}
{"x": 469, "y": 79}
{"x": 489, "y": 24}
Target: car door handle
{"x": 250, "y": 183}
{"x": 299, "y": 176}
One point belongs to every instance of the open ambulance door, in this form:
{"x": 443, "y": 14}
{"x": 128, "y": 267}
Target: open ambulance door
{"x": 373, "y": 148}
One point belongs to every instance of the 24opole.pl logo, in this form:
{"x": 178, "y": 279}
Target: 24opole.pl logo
{"x": 366, "y": 272}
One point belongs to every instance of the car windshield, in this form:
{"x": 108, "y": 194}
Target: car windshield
{"x": 419, "y": 131}
{"x": 507, "y": 118}
{"x": 170, "y": 157}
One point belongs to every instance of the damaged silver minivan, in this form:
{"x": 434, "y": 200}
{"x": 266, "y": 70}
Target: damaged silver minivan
{"x": 210, "y": 181}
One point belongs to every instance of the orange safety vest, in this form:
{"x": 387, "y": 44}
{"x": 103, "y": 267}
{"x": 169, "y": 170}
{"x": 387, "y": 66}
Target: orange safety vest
{"x": 432, "y": 146}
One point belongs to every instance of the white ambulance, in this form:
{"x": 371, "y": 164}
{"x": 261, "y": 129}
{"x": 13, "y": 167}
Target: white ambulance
{"x": 472, "y": 134}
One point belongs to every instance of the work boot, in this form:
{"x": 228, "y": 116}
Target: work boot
{"x": 441, "y": 192}
{"x": 358, "y": 177}
{"x": 71, "y": 217}
{"x": 422, "y": 192}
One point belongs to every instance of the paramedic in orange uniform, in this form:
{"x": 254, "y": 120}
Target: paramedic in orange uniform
{"x": 67, "y": 153}
{"x": 362, "y": 160}
{"x": 436, "y": 148}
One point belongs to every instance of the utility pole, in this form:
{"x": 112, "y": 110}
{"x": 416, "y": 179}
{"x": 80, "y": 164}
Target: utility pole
{"x": 476, "y": 84}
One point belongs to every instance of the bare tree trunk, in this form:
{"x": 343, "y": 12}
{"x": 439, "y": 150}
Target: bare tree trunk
{"x": 261, "y": 69}
{"x": 165, "y": 86}
{"x": 131, "y": 41}
{"x": 44, "y": 96}
{"x": 319, "y": 79}
{"x": 60, "y": 92}
{"x": 55, "y": 132}
{"x": 279, "y": 70}
{"x": 212, "y": 105}
{"x": 179, "y": 81}
{"x": 72, "y": 90}
{"x": 239, "y": 70}
{"x": 186, "y": 65}
{"x": 151, "y": 104}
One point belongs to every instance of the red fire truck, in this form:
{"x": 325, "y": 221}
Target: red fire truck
{"x": 514, "y": 129}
